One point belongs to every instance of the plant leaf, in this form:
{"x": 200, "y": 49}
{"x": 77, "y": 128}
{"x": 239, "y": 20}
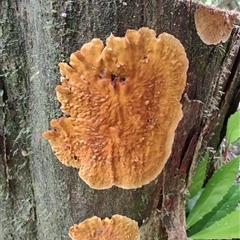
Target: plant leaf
{"x": 226, "y": 228}
{"x": 233, "y": 127}
{"x": 227, "y": 205}
{"x": 216, "y": 188}
{"x": 191, "y": 202}
{"x": 199, "y": 176}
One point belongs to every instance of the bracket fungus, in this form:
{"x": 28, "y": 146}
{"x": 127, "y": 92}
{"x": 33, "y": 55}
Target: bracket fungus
{"x": 117, "y": 228}
{"x": 124, "y": 106}
{"x": 214, "y": 25}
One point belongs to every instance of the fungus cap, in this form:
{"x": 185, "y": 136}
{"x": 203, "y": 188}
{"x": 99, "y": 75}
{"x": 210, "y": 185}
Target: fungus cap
{"x": 117, "y": 228}
{"x": 214, "y": 25}
{"x": 124, "y": 106}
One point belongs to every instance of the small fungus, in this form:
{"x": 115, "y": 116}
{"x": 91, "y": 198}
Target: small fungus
{"x": 116, "y": 228}
{"x": 124, "y": 106}
{"x": 214, "y": 25}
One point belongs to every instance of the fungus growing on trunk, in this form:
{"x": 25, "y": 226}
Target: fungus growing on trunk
{"x": 214, "y": 25}
{"x": 117, "y": 228}
{"x": 124, "y": 106}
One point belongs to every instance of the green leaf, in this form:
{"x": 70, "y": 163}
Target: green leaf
{"x": 199, "y": 177}
{"x": 227, "y": 205}
{"x": 233, "y": 127}
{"x": 226, "y": 228}
{"x": 191, "y": 202}
{"x": 214, "y": 191}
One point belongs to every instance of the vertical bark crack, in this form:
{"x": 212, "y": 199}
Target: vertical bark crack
{"x": 2, "y": 132}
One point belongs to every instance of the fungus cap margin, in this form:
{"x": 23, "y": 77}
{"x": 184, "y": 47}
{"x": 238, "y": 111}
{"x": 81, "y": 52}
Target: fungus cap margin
{"x": 214, "y": 25}
{"x": 117, "y": 228}
{"x": 124, "y": 106}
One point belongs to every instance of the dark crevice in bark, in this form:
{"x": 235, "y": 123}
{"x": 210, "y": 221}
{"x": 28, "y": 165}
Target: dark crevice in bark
{"x": 235, "y": 102}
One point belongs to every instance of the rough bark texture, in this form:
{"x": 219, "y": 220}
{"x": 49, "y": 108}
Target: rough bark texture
{"x": 40, "y": 198}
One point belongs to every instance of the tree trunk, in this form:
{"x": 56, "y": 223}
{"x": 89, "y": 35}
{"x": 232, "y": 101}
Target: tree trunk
{"x": 41, "y": 198}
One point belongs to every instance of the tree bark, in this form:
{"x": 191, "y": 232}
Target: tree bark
{"x": 40, "y": 198}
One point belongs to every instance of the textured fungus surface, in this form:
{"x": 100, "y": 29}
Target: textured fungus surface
{"x": 123, "y": 103}
{"x": 116, "y": 228}
{"x": 214, "y": 25}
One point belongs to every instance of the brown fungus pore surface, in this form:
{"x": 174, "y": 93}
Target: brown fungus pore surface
{"x": 116, "y": 228}
{"x": 214, "y": 25}
{"x": 124, "y": 106}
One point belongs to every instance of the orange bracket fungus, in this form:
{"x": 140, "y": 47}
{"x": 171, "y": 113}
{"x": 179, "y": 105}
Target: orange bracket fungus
{"x": 117, "y": 228}
{"x": 123, "y": 106}
{"x": 214, "y": 25}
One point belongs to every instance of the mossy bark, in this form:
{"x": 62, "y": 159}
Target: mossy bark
{"x": 40, "y": 198}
